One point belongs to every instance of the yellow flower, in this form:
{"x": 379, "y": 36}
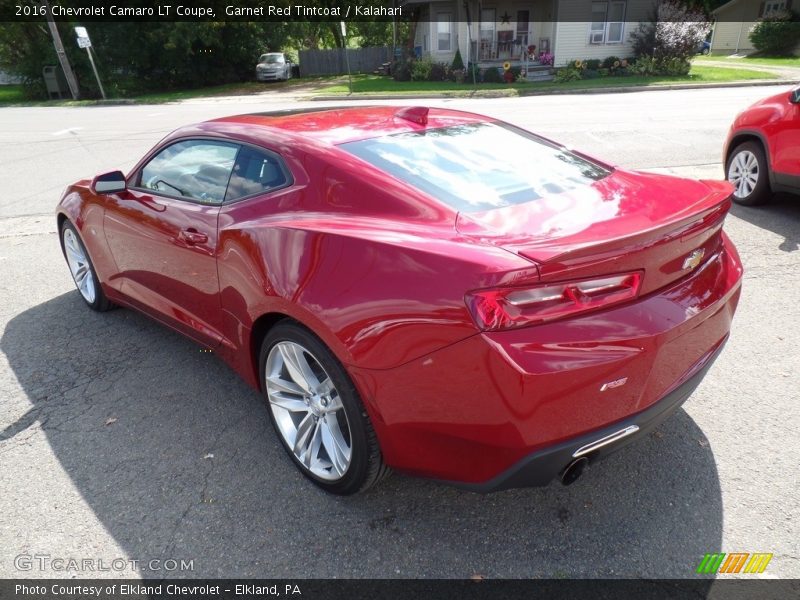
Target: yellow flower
{"x": 506, "y": 66}
{"x": 578, "y": 64}
{"x": 616, "y": 63}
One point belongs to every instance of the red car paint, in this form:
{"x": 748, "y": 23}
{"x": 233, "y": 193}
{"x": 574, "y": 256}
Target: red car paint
{"x": 775, "y": 123}
{"x": 380, "y": 271}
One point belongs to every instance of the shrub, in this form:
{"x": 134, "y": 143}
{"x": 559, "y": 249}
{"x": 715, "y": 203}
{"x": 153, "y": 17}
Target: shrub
{"x": 472, "y": 73}
{"x": 401, "y": 69}
{"x": 458, "y": 75}
{"x": 592, "y": 64}
{"x": 439, "y": 72}
{"x": 673, "y": 32}
{"x": 777, "y": 34}
{"x": 609, "y": 62}
{"x": 421, "y": 69}
{"x": 646, "y": 66}
{"x": 458, "y": 62}
{"x": 568, "y": 74}
{"x": 492, "y": 75}
{"x": 674, "y": 66}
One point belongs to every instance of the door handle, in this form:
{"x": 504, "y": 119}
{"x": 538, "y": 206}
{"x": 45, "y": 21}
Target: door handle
{"x": 191, "y": 236}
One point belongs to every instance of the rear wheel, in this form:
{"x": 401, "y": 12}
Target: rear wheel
{"x": 748, "y": 172}
{"x": 317, "y": 413}
{"x": 82, "y": 270}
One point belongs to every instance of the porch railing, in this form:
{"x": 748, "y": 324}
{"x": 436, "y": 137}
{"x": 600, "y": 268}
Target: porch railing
{"x": 514, "y": 49}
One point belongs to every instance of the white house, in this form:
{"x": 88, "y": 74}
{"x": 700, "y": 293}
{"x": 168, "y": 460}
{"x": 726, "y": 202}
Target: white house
{"x": 494, "y": 31}
{"x": 734, "y": 20}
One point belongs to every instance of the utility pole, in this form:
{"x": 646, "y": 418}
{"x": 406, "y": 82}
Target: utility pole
{"x": 62, "y": 55}
{"x": 346, "y": 56}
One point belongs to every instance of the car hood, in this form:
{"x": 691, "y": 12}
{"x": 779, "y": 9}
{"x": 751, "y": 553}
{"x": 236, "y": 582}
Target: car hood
{"x": 624, "y": 208}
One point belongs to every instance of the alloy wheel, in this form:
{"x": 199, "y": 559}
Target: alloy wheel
{"x": 308, "y": 411}
{"x": 743, "y": 173}
{"x": 79, "y": 266}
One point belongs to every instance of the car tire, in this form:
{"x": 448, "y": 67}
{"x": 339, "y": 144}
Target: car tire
{"x": 82, "y": 270}
{"x": 317, "y": 413}
{"x": 705, "y": 51}
{"x": 747, "y": 169}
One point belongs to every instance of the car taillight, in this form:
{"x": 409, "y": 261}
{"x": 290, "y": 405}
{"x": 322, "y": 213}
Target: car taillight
{"x": 507, "y": 308}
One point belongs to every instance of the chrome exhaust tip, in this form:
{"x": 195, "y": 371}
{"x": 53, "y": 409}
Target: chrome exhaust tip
{"x": 573, "y": 470}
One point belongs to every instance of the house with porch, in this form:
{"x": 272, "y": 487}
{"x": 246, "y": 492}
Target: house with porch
{"x": 491, "y": 32}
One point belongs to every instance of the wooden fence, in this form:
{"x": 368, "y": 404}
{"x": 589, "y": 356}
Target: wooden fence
{"x": 332, "y": 62}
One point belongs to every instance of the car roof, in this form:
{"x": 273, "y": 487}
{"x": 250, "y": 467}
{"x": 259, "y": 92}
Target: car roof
{"x": 341, "y": 125}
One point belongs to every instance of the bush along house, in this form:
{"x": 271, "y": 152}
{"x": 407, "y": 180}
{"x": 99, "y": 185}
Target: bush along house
{"x": 533, "y": 35}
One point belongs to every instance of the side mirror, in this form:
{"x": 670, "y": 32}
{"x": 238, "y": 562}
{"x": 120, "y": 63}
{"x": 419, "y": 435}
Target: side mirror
{"x": 109, "y": 183}
{"x": 794, "y": 97}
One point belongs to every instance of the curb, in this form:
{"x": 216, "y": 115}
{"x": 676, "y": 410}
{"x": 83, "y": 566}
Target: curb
{"x": 555, "y": 92}
{"x": 481, "y": 94}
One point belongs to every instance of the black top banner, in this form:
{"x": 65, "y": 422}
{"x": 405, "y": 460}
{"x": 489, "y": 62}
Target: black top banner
{"x": 87, "y": 11}
{"x": 208, "y": 10}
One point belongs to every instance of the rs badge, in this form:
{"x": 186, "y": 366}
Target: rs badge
{"x": 614, "y": 384}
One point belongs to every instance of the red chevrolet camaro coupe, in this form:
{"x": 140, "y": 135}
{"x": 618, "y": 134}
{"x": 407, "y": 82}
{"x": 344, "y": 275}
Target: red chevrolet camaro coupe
{"x": 424, "y": 289}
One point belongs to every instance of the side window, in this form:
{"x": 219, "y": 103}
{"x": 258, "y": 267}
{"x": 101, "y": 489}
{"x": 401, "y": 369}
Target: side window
{"x": 195, "y": 169}
{"x": 255, "y": 172}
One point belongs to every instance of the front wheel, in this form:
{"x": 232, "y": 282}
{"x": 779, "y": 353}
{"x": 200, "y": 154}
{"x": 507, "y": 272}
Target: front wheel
{"x": 317, "y": 413}
{"x": 747, "y": 170}
{"x": 82, "y": 270}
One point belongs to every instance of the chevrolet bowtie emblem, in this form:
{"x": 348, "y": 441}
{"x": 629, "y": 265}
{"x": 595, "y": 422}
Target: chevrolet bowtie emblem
{"x": 691, "y": 261}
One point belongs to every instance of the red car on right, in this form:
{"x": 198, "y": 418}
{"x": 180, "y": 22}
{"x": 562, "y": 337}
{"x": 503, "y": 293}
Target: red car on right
{"x": 762, "y": 152}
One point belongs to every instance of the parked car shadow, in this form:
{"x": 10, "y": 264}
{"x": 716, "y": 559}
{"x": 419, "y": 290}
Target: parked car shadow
{"x": 781, "y": 216}
{"x": 176, "y": 457}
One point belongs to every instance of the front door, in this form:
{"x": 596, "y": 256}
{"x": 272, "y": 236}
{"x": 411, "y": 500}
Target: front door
{"x": 162, "y": 233}
{"x": 488, "y": 25}
{"x": 523, "y": 26}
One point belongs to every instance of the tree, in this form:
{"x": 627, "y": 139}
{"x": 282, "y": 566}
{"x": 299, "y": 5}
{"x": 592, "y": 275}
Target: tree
{"x": 777, "y": 34}
{"x": 705, "y": 6}
{"x": 165, "y": 55}
{"x": 672, "y": 36}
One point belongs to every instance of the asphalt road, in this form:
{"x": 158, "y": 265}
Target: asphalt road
{"x": 121, "y": 440}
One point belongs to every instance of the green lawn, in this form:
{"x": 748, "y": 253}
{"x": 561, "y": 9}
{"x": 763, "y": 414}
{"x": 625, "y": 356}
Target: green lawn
{"x": 754, "y": 61}
{"x": 11, "y": 94}
{"x": 703, "y": 70}
{"x": 711, "y": 73}
{"x": 232, "y": 89}
{"x": 373, "y": 84}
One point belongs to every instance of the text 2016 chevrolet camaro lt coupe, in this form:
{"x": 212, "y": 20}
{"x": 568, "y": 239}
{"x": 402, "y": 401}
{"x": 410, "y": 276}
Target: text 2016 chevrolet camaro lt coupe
{"x": 429, "y": 290}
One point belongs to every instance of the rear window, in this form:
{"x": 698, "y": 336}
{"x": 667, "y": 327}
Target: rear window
{"x": 478, "y": 166}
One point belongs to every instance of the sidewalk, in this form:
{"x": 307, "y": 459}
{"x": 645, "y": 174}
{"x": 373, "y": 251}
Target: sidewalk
{"x": 513, "y": 93}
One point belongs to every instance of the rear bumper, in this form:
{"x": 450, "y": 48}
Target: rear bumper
{"x": 541, "y": 467}
{"x": 509, "y": 408}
